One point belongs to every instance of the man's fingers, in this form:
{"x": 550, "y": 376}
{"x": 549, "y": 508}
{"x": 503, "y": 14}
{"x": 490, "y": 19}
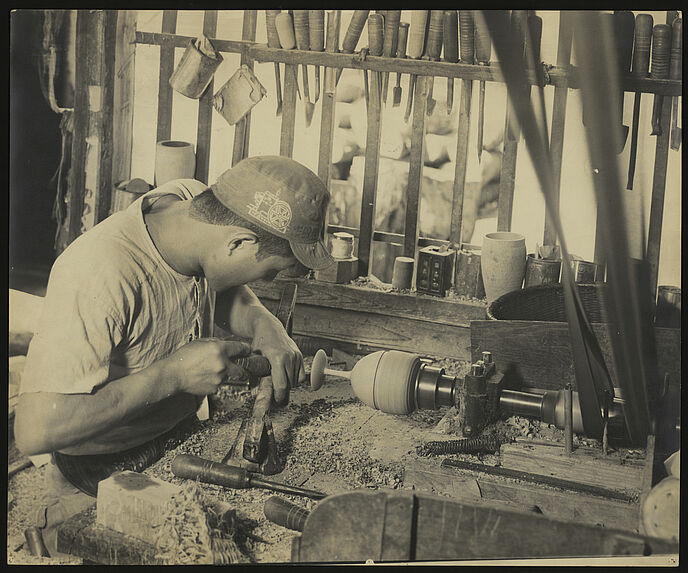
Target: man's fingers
{"x": 235, "y": 372}
{"x": 302, "y": 373}
{"x": 280, "y": 385}
{"x": 234, "y": 348}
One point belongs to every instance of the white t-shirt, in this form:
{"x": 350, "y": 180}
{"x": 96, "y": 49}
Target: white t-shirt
{"x": 113, "y": 306}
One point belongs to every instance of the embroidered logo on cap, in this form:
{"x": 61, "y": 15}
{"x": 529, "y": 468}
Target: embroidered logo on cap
{"x": 268, "y": 208}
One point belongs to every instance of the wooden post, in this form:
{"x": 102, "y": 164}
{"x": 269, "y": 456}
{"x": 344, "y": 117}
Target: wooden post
{"x": 461, "y": 160}
{"x": 169, "y": 25}
{"x": 372, "y": 165}
{"x": 507, "y": 178}
{"x": 556, "y": 144}
{"x": 242, "y": 129}
{"x": 415, "y": 177}
{"x": 205, "y": 110}
{"x": 288, "y": 111}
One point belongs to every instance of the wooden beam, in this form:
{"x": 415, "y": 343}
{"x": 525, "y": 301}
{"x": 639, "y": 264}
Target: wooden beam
{"x": 169, "y": 25}
{"x": 288, "y": 111}
{"x": 370, "y": 174}
{"x": 461, "y": 161}
{"x": 205, "y": 110}
{"x": 416, "y": 158}
{"x": 242, "y": 129}
{"x": 556, "y": 144}
{"x": 507, "y": 178}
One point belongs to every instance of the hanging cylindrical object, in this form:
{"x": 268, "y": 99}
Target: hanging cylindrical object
{"x": 503, "y": 263}
{"x": 661, "y": 50}
{"x": 174, "y": 160}
{"x": 192, "y": 75}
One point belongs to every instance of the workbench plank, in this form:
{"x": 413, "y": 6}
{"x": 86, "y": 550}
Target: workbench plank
{"x": 518, "y": 348}
{"x": 370, "y": 175}
{"x": 169, "y": 25}
{"x": 242, "y": 130}
{"x": 463, "y": 131}
{"x": 205, "y": 110}
{"x": 288, "y": 111}
{"x": 359, "y": 299}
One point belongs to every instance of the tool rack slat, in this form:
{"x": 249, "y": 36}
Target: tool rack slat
{"x": 167, "y": 46}
{"x": 242, "y": 130}
{"x": 205, "y": 110}
{"x": 288, "y": 111}
{"x": 458, "y": 189}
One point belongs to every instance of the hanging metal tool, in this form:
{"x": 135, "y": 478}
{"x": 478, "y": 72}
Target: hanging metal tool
{"x": 467, "y": 37}
{"x": 416, "y": 44}
{"x": 389, "y": 47}
{"x": 303, "y": 43}
{"x": 401, "y": 54}
{"x": 641, "y": 67}
{"x": 533, "y": 41}
{"x": 285, "y": 32}
{"x": 624, "y": 26}
{"x": 332, "y": 46}
{"x": 316, "y": 31}
{"x": 675, "y": 74}
{"x": 375, "y": 45}
{"x": 661, "y": 49}
{"x": 483, "y": 52}
{"x": 353, "y": 34}
{"x": 274, "y": 42}
{"x": 433, "y": 49}
{"x": 451, "y": 49}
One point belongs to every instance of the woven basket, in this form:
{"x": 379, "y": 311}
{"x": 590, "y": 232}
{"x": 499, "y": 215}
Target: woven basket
{"x": 546, "y": 303}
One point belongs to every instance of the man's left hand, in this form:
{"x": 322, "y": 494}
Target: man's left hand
{"x": 286, "y": 360}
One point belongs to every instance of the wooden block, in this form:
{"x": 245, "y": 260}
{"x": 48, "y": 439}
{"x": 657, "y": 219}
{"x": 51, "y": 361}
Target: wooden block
{"x": 133, "y": 503}
{"x": 341, "y": 271}
{"x": 585, "y": 465}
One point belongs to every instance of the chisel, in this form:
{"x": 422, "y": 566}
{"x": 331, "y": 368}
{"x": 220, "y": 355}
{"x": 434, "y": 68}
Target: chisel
{"x": 274, "y": 42}
{"x": 624, "y": 26}
{"x": 332, "y": 46}
{"x": 285, "y": 31}
{"x": 533, "y": 41}
{"x": 467, "y": 41}
{"x": 483, "y": 53}
{"x": 433, "y": 48}
{"x": 401, "y": 54}
{"x": 285, "y": 513}
{"x": 416, "y": 43}
{"x": 518, "y": 23}
{"x": 316, "y": 30}
{"x": 451, "y": 49}
{"x": 303, "y": 43}
{"x": 389, "y": 46}
{"x": 193, "y": 467}
{"x": 353, "y": 34}
{"x": 661, "y": 48}
{"x": 675, "y": 74}
{"x": 641, "y": 67}
{"x": 376, "y": 24}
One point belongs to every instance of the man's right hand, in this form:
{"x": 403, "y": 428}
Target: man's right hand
{"x": 202, "y": 365}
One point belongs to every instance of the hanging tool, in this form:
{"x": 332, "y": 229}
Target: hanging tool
{"x": 641, "y": 67}
{"x": 285, "y": 513}
{"x": 316, "y": 30}
{"x": 467, "y": 37}
{"x": 207, "y": 471}
{"x": 303, "y": 43}
{"x": 332, "y": 46}
{"x": 389, "y": 47}
{"x": 483, "y": 52}
{"x": 624, "y": 26}
{"x": 375, "y": 45}
{"x": 401, "y": 54}
{"x": 451, "y": 49}
{"x": 433, "y": 49}
{"x": 285, "y": 32}
{"x": 274, "y": 42}
{"x": 533, "y": 41}
{"x": 416, "y": 44}
{"x": 661, "y": 48}
{"x": 353, "y": 34}
{"x": 675, "y": 74}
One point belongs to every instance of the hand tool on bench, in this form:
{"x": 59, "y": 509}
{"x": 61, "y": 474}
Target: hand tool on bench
{"x": 316, "y": 30}
{"x": 375, "y": 46}
{"x": 401, "y": 54}
{"x": 416, "y": 44}
{"x": 389, "y": 46}
{"x": 450, "y": 36}
{"x": 640, "y": 69}
{"x": 188, "y": 466}
{"x": 332, "y": 46}
{"x": 303, "y": 43}
{"x": 285, "y": 32}
{"x": 624, "y": 27}
{"x": 433, "y": 49}
{"x": 274, "y": 42}
{"x": 661, "y": 48}
{"x": 353, "y": 34}
{"x": 483, "y": 52}
{"x": 675, "y": 74}
{"x": 285, "y": 513}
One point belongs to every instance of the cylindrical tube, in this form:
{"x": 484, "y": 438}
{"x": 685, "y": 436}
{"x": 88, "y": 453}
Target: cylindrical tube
{"x": 521, "y": 403}
{"x": 402, "y": 276}
{"x": 541, "y": 271}
{"x": 285, "y": 513}
{"x": 342, "y": 245}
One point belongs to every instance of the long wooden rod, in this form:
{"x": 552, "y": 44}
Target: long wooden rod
{"x": 205, "y": 110}
{"x": 242, "y": 129}
{"x": 167, "y": 45}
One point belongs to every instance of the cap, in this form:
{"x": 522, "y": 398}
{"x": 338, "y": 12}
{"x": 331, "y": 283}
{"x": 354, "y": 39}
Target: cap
{"x": 283, "y": 197}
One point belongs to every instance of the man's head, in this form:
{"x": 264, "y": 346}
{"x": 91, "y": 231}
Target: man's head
{"x": 272, "y": 210}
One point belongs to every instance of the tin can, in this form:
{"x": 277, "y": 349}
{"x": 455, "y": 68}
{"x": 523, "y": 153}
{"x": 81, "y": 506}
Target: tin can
{"x": 541, "y": 271}
{"x": 195, "y": 70}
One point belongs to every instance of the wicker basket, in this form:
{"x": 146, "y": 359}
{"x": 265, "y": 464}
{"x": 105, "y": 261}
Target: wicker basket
{"x": 546, "y": 303}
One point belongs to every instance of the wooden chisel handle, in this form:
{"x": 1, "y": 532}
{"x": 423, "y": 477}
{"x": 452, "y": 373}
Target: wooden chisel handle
{"x": 285, "y": 30}
{"x": 416, "y": 35}
{"x": 433, "y": 47}
{"x": 391, "y": 34}
{"x": 332, "y": 45}
{"x": 467, "y": 36}
{"x": 534, "y": 39}
{"x": 271, "y": 28}
{"x": 676, "y": 50}
{"x": 375, "y": 39}
{"x": 301, "y": 29}
{"x": 316, "y": 30}
{"x": 483, "y": 44}
{"x": 450, "y": 36}
{"x": 402, "y": 40}
{"x": 285, "y": 513}
{"x": 624, "y": 28}
{"x": 353, "y": 32}
{"x": 661, "y": 49}
{"x": 642, "y": 41}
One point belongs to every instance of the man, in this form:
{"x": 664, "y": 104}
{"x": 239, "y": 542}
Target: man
{"x": 124, "y": 352}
